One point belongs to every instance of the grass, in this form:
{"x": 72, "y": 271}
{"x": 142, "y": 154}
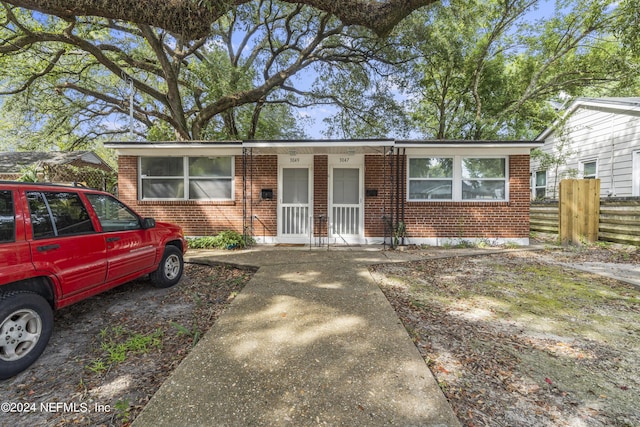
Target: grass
{"x": 123, "y": 410}
{"x": 117, "y": 344}
{"x": 541, "y": 292}
{"x": 522, "y": 322}
{"x": 194, "y": 332}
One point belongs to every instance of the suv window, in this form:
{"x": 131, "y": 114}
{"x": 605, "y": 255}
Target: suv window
{"x": 7, "y": 217}
{"x": 57, "y": 214}
{"x": 113, "y": 214}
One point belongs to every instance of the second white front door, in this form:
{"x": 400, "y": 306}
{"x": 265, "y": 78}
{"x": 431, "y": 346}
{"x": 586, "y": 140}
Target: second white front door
{"x": 345, "y": 199}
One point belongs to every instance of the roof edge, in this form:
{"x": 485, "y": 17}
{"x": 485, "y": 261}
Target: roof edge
{"x": 620, "y": 104}
{"x": 328, "y": 142}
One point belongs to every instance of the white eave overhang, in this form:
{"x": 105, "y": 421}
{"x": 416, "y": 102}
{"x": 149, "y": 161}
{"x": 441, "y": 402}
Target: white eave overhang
{"x": 177, "y": 149}
{"x": 320, "y": 146}
{"x": 464, "y": 147}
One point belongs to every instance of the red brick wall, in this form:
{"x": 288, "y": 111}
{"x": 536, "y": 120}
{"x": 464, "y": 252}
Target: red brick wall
{"x": 262, "y": 173}
{"x": 203, "y": 218}
{"x": 423, "y": 219}
{"x": 476, "y": 219}
{"x": 376, "y": 206}
{"x": 320, "y": 194}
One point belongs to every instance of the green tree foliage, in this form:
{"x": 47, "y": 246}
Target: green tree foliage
{"x": 364, "y": 97}
{"x": 627, "y": 29}
{"x": 73, "y": 78}
{"x": 481, "y": 72}
{"x": 628, "y": 25}
{"x": 456, "y": 70}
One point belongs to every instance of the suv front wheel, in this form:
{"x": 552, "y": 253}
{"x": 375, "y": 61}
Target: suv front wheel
{"x": 170, "y": 269}
{"x": 26, "y": 324}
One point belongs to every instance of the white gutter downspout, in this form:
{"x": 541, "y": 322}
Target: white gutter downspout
{"x": 612, "y": 189}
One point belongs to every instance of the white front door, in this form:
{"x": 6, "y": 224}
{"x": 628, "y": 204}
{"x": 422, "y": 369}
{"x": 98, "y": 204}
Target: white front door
{"x": 295, "y": 206}
{"x": 345, "y": 199}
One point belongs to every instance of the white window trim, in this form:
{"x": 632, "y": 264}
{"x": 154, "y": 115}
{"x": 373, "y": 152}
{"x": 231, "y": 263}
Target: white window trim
{"x": 186, "y": 178}
{"x": 535, "y": 185}
{"x": 457, "y": 179}
{"x": 453, "y": 179}
{"x": 635, "y": 174}
{"x": 585, "y": 161}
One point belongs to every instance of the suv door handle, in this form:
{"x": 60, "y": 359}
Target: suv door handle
{"x": 112, "y": 239}
{"x": 46, "y": 248}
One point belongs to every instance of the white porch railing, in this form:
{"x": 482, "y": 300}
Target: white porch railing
{"x": 295, "y": 220}
{"x": 346, "y": 220}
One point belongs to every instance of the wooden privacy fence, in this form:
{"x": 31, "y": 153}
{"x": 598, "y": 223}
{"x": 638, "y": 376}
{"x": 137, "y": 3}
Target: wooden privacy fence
{"x": 579, "y": 210}
{"x": 619, "y": 219}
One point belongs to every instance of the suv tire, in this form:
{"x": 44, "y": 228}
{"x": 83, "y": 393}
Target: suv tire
{"x": 170, "y": 269}
{"x": 26, "y": 324}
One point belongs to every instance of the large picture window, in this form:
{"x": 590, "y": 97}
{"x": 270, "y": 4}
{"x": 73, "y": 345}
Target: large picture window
{"x": 457, "y": 178}
{"x": 483, "y": 178}
{"x": 198, "y": 178}
{"x": 431, "y": 178}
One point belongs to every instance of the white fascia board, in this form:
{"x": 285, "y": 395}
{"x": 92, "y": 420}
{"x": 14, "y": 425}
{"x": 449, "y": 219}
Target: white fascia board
{"x": 475, "y": 151}
{"x": 319, "y": 146}
{"x": 291, "y": 144}
{"x": 177, "y": 149}
{"x": 472, "y": 149}
{"x": 629, "y": 105}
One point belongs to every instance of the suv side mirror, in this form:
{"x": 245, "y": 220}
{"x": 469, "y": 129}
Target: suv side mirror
{"x": 148, "y": 223}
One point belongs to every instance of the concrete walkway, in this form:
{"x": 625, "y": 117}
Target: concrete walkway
{"x": 628, "y": 273}
{"x": 311, "y": 340}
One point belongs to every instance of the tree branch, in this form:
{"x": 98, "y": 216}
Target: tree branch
{"x": 50, "y": 66}
{"x": 191, "y": 20}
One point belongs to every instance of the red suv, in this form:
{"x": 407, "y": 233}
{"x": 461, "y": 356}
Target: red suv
{"x": 60, "y": 245}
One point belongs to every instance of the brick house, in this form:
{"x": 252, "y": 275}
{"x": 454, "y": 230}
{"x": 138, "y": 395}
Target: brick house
{"x": 334, "y": 191}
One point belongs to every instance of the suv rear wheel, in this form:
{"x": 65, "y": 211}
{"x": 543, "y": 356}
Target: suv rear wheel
{"x": 26, "y": 324}
{"x": 170, "y": 269}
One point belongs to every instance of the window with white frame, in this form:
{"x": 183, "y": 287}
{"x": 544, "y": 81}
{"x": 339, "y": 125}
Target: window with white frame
{"x": 431, "y": 178}
{"x": 541, "y": 185}
{"x": 589, "y": 169}
{"x": 184, "y": 178}
{"x": 457, "y": 178}
{"x": 484, "y": 178}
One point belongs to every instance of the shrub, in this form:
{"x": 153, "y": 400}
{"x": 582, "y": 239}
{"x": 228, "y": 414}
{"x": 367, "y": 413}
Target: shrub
{"x": 228, "y": 239}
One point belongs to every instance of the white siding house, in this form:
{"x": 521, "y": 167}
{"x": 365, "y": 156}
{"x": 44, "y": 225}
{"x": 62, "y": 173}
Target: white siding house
{"x": 600, "y": 139}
